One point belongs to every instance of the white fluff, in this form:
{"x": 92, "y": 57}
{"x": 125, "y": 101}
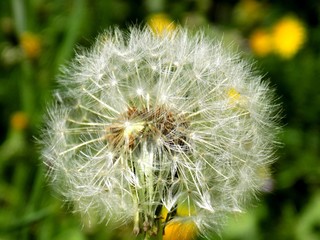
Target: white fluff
{"x": 148, "y": 121}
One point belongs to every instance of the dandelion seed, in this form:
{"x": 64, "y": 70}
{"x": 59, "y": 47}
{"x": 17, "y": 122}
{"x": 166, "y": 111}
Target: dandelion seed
{"x": 171, "y": 142}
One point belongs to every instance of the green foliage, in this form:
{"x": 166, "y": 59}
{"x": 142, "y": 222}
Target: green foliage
{"x": 52, "y": 29}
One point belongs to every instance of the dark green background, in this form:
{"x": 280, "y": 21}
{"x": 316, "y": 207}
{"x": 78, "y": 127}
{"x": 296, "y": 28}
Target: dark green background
{"x": 28, "y": 207}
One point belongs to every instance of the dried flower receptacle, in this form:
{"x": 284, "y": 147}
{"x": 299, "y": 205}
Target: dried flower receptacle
{"x": 158, "y": 125}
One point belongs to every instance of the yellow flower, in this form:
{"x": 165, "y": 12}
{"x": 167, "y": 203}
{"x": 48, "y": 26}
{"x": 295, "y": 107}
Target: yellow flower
{"x": 19, "y": 121}
{"x": 233, "y": 95}
{"x": 261, "y": 42}
{"x": 30, "y": 44}
{"x": 288, "y": 36}
{"x": 161, "y": 23}
{"x": 178, "y": 230}
{"x": 181, "y": 227}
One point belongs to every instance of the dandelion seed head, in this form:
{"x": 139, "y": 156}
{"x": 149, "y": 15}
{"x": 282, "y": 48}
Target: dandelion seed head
{"x": 148, "y": 122}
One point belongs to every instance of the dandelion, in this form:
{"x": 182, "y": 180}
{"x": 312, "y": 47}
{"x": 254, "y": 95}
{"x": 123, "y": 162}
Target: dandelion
{"x": 160, "y": 23}
{"x": 19, "y": 121}
{"x": 284, "y": 39}
{"x": 261, "y": 42}
{"x": 167, "y": 133}
{"x": 182, "y": 227}
{"x": 30, "y": 44}
{"x": 289, "y": 35}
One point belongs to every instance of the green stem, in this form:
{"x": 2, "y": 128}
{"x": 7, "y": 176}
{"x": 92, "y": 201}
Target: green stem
{"x": 26, "y": 79}
{"x": 27, "y": 89}
{"x": 76, "y": 19}
{"x": 147, "y": 236}
{"x": 136, "y": 221}
{"x": 19, "y": 15}
{"x": 33, "y": 202}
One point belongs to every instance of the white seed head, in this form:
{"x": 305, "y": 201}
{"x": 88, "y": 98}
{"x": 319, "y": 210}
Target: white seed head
{"x": 147, "y": 121}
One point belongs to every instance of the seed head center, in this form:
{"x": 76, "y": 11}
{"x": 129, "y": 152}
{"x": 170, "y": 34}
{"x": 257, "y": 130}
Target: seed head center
{"x": 148, "y": 124}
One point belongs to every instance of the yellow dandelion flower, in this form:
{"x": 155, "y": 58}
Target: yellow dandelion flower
{"x": 261, "y": 42}
{"x": 234, "y": 96}
{"x": 19, "y": 121}
{"x": 161, "y": 23}
{"x": 30, "y": 44}
{"x": 176, "y": 230}
{"x": 288, "y": 36}
{"x": 181, "y": 227}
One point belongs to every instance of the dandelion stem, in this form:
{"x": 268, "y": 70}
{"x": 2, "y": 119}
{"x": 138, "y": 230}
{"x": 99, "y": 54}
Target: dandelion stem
{"x": 136, "y": 224}
{"x": 147, "y": 236}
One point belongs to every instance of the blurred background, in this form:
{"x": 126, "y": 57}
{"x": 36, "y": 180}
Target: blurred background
{"x": 282, "y": 37}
